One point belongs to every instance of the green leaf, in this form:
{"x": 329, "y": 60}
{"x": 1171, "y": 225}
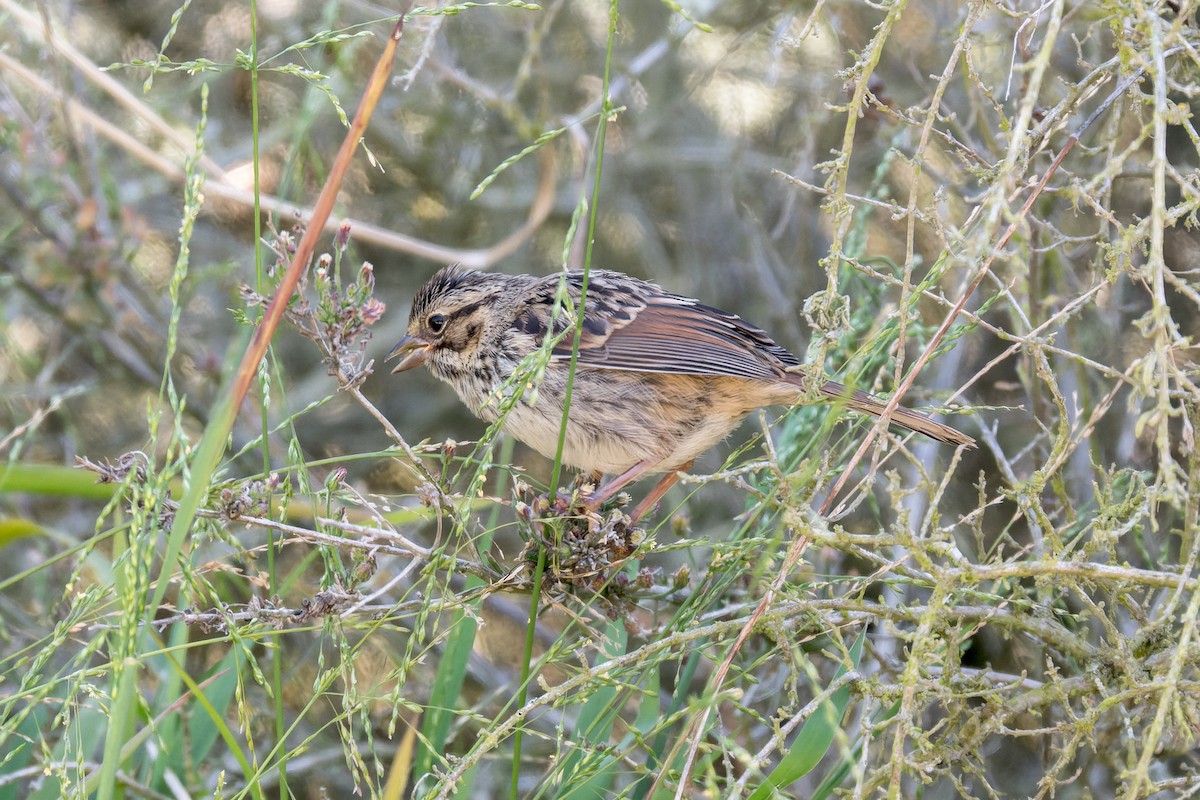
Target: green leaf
{"x": 50, "y": 479}
{"x": 817, "y": 734}
{"x": 13, "y": 528}
{"x": 587, "y": 771}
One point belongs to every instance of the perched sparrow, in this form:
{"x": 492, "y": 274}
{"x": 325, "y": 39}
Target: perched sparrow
{"x": 660, "y": 378}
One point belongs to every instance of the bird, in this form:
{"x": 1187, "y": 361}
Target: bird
{"x": 659, "y": 377}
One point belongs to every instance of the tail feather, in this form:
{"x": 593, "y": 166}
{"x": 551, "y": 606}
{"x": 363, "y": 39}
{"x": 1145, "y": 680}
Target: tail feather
{"x": 905, "y": 418}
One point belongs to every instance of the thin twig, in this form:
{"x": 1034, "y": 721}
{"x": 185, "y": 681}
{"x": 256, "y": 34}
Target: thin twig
{"x": 950, "y": 318}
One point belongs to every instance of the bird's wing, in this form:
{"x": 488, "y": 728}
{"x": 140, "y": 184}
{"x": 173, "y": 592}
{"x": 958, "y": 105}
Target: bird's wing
{"x": 633, "y": 325}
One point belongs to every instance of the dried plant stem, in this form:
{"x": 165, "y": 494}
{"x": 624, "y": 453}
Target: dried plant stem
{"x": 219, "y": 185}
{"x": 980, "y": 274}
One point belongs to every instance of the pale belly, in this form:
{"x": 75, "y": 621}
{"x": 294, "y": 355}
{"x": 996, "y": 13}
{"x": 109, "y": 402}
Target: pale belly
{"x": 621, "y": 419}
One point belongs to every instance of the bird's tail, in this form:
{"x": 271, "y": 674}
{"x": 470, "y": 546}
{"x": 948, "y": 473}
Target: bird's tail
{"x": 905, "y": 418}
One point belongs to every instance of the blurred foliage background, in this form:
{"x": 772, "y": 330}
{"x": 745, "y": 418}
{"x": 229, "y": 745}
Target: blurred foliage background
{"x": 841, "y": 173}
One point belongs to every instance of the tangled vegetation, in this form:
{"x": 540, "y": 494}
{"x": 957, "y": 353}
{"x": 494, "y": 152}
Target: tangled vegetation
{"x": 343, "y": 583}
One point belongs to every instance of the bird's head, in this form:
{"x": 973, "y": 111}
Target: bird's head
{"x": 454, "y": 317}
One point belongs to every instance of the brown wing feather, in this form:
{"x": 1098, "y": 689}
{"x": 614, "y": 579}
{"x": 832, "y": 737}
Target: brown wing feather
{"x": 636, "y": 326}
{"x": 684, "y": 339}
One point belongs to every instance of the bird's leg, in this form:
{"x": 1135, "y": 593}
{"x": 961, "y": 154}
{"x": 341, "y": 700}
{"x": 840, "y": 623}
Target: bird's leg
{"x": 630, "y": 475}
{"x": 660, "y": 488}
{"x": 619, "y": 482}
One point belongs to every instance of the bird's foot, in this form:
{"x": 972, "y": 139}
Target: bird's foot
{"x": 580, "y": 500}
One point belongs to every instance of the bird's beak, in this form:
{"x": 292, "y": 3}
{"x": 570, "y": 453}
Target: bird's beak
{"x": 415, "y": 351}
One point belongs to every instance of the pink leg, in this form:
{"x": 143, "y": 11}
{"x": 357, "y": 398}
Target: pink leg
{"x": 632, "y": 474}
{"x": 660, "y": 488}
{"x": 619, "y": 482}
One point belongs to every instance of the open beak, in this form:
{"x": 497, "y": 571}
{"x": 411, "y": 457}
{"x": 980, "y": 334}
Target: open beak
{"x": 414, "y": 349}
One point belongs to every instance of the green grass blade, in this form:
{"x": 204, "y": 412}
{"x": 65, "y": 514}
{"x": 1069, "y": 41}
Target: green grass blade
{"x": 48, "y": 479}
{"x": 586, "y": 776}
{"x": 816, "y": 736}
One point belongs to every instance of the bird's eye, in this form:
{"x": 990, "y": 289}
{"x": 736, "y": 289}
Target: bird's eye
{"x": 436, "y": 323}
